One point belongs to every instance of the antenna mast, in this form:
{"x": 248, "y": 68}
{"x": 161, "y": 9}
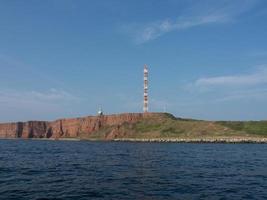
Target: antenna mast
{"x": 145, "y": 108}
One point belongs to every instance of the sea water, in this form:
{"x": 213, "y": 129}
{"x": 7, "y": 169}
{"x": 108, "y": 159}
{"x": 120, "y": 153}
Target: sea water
{"x": 35, "y": 169}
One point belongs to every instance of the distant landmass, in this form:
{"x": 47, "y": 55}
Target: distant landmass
{"x": 138, "y": 127}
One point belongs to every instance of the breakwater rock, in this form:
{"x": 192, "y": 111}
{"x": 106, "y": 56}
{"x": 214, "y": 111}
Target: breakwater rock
{"x": 200, "y": 140}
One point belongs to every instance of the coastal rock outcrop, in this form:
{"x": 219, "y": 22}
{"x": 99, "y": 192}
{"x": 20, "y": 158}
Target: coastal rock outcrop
{"x": 70, "y": 128}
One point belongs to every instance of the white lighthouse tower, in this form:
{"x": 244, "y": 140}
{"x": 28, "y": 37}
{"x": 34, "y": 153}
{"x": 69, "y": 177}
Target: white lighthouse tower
{"x": 145, "y": 106}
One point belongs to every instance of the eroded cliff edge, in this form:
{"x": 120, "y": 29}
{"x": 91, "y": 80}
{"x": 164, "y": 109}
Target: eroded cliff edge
{"x": 73, "y": 127}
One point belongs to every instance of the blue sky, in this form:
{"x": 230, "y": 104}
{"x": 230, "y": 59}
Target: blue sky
{"x": 65, "y": 58}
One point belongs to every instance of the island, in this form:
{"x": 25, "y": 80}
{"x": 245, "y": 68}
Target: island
{"x": 143, "y": 127}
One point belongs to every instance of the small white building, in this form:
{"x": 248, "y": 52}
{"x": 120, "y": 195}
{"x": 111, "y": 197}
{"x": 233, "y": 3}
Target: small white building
{"x": 100, "y": 112}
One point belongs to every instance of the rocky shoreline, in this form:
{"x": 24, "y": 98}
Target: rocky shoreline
{"x": 196, "y": 140}
{"x": 159, "y": 140}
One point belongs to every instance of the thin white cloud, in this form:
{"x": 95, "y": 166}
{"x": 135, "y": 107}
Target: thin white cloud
{"x": 156, "y": 29}
{"x": 258, "y": 53}
{"x": 35, "y": 99}
{"x": 53, "y": 95}
{"x": 18, "y": 105}
{"x": 201, "y": 13}
{"x": 255, "y": 78}
{"x": 231, "y": 89}
{"x": 251, "y": 94}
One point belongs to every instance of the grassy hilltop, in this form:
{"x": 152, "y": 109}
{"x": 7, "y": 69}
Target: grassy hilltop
{"x": 165, "y": 125}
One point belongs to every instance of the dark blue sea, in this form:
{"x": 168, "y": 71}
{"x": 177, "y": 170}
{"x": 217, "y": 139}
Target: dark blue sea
{"x": 131, "y": 170}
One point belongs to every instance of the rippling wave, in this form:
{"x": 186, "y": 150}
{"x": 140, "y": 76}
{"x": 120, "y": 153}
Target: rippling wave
{"x": 127, "y": 170}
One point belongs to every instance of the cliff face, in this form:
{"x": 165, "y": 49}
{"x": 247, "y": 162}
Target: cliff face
{"x": 10, "y": 130}
{"x": 133, "y": 126}
{"x": 74, "y": 127}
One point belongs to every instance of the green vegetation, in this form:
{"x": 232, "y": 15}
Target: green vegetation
{"x": 249, "y": 127}
{"x": 164, "y": 125}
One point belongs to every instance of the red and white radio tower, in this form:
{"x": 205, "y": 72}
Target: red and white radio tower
{"x": 145, "y": 108}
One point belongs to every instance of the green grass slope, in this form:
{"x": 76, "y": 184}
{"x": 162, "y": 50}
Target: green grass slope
{"x": 248, "y": 127}
{"x": 167, "y": 126}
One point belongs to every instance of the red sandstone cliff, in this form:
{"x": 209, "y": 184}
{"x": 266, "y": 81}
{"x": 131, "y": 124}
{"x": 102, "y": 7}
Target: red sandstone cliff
{"x": 74, "y": 127}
